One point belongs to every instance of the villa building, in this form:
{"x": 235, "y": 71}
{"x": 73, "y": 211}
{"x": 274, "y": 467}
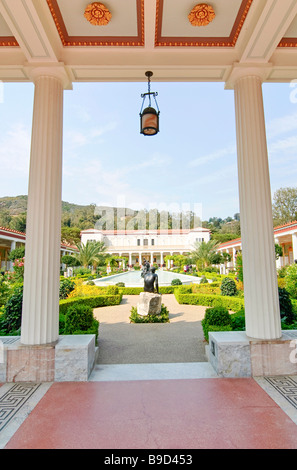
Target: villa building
{"x": 150, "y": 245}
{"x": 284, "y": 236}
{"x": 11, "y": 239}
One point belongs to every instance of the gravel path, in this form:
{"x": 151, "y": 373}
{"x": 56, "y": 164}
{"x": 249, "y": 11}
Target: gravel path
{"x": 122, "y": 342}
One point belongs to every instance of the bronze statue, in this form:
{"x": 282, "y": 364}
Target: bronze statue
{"x": 145, "y": 268}
{"x": 151, "y": 281}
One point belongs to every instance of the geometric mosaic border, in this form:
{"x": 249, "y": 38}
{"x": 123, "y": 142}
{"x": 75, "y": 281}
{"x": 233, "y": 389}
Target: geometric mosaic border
{"x": 9, "y": 339}
{"x": 286, "y": 386}
{"x": 14, "y": 399}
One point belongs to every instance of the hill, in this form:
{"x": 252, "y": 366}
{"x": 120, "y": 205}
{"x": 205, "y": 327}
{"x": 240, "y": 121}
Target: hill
{"x": 76, "y": 217}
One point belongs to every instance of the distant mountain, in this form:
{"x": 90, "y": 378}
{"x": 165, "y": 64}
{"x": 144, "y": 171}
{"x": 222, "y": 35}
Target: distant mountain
{"x": 13, "y": 212}
{"x": 77, "y": 217}
{"x": 14, "y": 205}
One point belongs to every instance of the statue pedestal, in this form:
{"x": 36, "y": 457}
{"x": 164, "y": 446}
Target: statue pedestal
{"x": 149, "y": 304}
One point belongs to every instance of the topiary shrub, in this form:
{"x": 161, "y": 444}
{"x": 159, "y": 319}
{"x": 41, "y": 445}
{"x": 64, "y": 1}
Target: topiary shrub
{"x": 66, "y": 286}
{"x": 238, "y": 320}
{"x": 228, "y": 287}
{"x": 215, "y": 316}
{"x": 176, "y": 282}
{"x": 79, "y": 319}
{"x": 286, "y": 308}
{"x": 203, "y": 280}
{"x": 120, "y": 284}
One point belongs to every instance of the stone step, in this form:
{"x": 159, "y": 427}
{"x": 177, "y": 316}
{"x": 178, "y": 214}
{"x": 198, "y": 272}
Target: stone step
{"x": 160, "y": 371}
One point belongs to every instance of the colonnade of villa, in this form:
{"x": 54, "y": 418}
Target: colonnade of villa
{"x": 153, "y": 257}
{"x": 285, "y": 236}
{"x": 11, "y": 239}
{"x": 151, "y": 245}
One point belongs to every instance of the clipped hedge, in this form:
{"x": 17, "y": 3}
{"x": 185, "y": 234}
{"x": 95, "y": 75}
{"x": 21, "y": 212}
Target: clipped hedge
{"x": 130, "y": 290}
{"x": 137, "y": 290}
{"x": 79, "y": 319}
{"x": 216, "y": 319}
{"x": 94, "y": 301}
{"x": 213, "y": 328}
{"x": 209, "y": 300}
{"x": 212, "y": 288}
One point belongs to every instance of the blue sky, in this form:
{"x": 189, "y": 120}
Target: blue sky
{"x": 190, "y": 165}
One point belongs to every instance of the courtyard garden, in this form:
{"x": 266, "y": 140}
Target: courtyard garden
{"x": 222, "y": 295}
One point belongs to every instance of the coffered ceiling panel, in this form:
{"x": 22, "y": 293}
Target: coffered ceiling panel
{"x": 125, "y": 27}
{"x": 290, "y": 37}
{"x": 6, "y": 36}
{"x": 174, "y": 27}
{"x": 119, "y": 40}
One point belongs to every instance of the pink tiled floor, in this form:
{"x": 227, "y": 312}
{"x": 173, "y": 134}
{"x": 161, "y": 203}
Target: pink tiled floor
{"x": 157, "y": 414}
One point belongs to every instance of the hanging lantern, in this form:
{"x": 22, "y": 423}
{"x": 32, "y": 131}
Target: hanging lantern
{"x": 149, "y": 117}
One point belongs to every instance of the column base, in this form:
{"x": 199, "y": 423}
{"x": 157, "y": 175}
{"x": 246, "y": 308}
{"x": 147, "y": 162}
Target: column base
{"x": 234, "y": 354}
{"x": 72, "y": 358}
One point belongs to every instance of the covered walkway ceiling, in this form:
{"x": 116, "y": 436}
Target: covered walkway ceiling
{"x": 152, "y": 35}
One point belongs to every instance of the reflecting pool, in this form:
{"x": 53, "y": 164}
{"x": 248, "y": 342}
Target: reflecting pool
{"x": 134, "y": 279}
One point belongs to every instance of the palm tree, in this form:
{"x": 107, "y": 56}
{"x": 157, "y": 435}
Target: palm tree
{"x": 90, "y": 254}
{"x": 203, "y": 253}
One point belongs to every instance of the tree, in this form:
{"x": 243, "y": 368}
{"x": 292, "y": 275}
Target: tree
{"x": 112, "y": 261}
{"x": 5, "y": 218}
{"x": 69, "y": 260}
{"x": 90, "y": 254}
{"x": 19, "y": 223}
{"x": 284, "y": 208}
{"x": 70, "y": 235}
{"x": 181, "y": 260}
{"x": 17, "y": 253}
{"x": 203, "y": 253}
{"x": 278, "y": 251}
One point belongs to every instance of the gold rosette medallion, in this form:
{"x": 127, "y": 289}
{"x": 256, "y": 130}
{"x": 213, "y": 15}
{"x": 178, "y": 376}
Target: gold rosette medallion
{"x": 201, "y": 15}
{"x": 97, "y": 14}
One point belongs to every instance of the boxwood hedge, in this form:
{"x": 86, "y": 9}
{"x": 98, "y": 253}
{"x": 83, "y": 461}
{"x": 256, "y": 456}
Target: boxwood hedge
{"x": 93, "y": 301}
{"x": 209, "y": 300}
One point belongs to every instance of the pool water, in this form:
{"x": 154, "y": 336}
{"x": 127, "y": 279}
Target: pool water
{"x": 134, "y": 279}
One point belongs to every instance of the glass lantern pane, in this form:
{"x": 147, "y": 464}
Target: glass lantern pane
{"x": 150, "y": 121}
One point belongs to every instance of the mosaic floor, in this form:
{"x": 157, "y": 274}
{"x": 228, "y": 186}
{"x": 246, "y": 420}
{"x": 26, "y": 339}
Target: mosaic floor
{"x": 16, "y": 403}
{"x": 27, "y": 405}
{"x": 283, "y": 390}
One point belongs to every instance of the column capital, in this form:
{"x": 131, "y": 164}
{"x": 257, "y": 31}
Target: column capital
{"x": 239, "y": 71}
{"x": 56, "y": 70}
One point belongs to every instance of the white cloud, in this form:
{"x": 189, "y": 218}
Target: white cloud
{"x": 283, "y": 145}
{"x": 74, "y": 138}
{"x": 205, "y": 159}
{"x": 99, "y": 131}
{"x": 281, "y": 125}
{"x": 15, "y": 150}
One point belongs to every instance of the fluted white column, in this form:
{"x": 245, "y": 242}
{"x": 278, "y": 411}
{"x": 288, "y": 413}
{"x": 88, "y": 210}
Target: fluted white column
{"x": 258, "y": 252}
{"x": 40, "y": 318}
